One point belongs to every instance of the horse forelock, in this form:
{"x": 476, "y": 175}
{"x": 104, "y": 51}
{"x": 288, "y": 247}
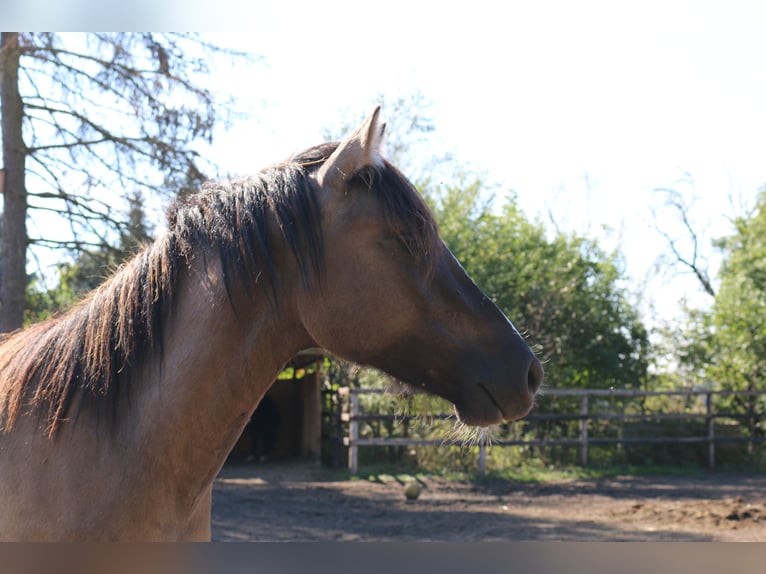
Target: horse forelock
{"x": 406, "y": 213}
{"x": 89, "y": 353}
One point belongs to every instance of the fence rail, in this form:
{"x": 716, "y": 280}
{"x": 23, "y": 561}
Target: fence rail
{"x": 354, "y": 417}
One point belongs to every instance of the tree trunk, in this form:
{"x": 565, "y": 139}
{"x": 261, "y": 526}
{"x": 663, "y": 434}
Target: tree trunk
{"x": 13, "y": 245}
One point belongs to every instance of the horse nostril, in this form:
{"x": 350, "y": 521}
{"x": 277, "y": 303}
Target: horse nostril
{"x": 534, "y": 375}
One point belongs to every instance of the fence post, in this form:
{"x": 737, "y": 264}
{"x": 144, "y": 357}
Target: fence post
{"x": 710, "y": 432}
{"x": 339, "y": 406}
{"x": 353, "y": 431}
{"x": 751, "y": 425}
{"x": 621, "y": 433}
{"x": 482, "y": 456}
{"x": 584, "y": 431}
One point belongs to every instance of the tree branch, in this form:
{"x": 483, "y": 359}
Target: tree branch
{"x": 692, "y": 263}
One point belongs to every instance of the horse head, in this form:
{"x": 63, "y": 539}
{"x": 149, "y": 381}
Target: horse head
{"x": 394, "y": 297}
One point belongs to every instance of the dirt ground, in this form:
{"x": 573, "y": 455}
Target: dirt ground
{"x": 302, "y": 502}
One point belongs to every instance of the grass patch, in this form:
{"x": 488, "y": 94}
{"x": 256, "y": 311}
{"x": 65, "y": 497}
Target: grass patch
{"x": 535, "y": 472}
{"x": 386, "y": 473}
{"x": 530, "y": 472}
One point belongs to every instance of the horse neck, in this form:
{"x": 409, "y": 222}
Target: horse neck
{"x": 216, "y": 365}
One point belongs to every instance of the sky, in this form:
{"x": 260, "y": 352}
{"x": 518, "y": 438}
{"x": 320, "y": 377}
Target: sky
{"x": 583, "y": 109}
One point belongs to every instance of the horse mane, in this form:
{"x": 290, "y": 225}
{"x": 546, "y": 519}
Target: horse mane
{"x": 88, "y": 354}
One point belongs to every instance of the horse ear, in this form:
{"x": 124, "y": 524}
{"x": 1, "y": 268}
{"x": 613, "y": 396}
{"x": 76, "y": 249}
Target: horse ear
{"x": 360, "y": 149}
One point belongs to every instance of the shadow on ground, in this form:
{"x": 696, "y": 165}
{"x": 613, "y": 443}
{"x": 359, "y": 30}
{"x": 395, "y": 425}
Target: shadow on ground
{"x": 301, "y": 502}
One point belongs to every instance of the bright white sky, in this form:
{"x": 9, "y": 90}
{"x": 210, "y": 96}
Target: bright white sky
{"x": 582, "y": 108}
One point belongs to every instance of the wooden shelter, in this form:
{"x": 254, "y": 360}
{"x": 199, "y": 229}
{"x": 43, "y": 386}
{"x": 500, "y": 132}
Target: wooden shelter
{"x": 297, "y": 399}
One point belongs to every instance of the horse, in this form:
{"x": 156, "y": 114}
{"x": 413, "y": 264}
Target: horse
{"x": 117, "y": 415}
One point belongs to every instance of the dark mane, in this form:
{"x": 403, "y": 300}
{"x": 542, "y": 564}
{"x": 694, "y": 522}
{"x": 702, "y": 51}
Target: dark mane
{"x": 87, "y": 355}
{"x": 234, "y": 218}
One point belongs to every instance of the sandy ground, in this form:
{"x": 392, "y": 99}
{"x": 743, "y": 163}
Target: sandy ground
{"x": 302, "y": 502}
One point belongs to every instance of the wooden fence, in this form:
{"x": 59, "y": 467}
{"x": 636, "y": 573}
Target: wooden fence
{"x": 703, "y": 409}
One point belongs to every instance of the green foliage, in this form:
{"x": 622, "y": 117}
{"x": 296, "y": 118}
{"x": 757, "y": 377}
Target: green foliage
{"x": 726, "y": 346}
{"x": 738, "y": 321}
{"x": 296, "y": 373}
{"x": 564, "y": 293}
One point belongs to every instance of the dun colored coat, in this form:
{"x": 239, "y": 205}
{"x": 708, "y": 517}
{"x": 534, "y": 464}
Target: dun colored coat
{"x": 116, "y": 416}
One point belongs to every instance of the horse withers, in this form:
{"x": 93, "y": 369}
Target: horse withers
{"x": 118, "y": 414}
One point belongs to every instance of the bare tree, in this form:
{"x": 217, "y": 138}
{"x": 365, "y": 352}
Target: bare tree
{"x": 87, "y": 118}
{"x": 685, "y": 250}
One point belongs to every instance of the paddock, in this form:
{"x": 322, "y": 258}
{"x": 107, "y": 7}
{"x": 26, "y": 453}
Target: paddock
{"x": 299, "y": 501}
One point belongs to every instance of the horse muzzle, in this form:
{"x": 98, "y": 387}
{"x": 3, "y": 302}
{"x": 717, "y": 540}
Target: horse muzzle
{"x": 491, "y": 403}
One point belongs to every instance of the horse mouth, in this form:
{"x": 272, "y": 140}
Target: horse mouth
{"x": 488, "y": 412}
{"x": 484, "y": 419}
